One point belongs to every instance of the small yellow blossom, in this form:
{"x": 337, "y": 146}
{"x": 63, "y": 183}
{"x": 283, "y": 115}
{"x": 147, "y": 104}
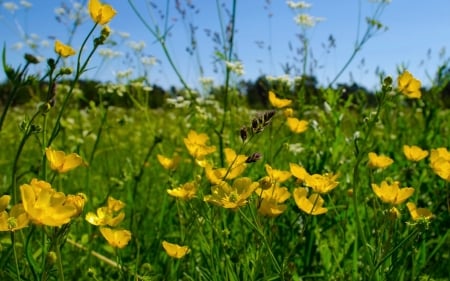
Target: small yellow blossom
{"x": 168, "y": 163}
{"x": 440, "y": 162}
{"x": 418, "y": 213}
{"x": 409, "y": 86}
{"x": 63, "y": 50}
{"x": 118, "y": 238}
{"x": 379, "y": 161}
{"x": 288, "y": 112}
{"x": 186, "y": 191}
{"x": 16, "y": 219}
{"x": 47, "y": 206}
{"x": 107, "y": 215}
{"x": 298, "y": 171}
{"x": 414, "y": 153}
{"x": 297, "y": 126}
{"x": 272, "y": 200}
{"x": 321, "y": 183}
{"x": 61, "y": 162}
{"x": 196, "y": 145}
{"x": 278, "y": 176}
{"x": 101, "y": 13}
{"x": 175, "y": 250}
{"x": 312, "y": 205}
{"x": 392, "y": 194}
{"x": 236, "y": 166}
{"x": 277, "y": 102}
{"x": 231, "y": 197}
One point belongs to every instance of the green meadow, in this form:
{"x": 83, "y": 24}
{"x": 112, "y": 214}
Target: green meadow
{"x": 104, "y": 181}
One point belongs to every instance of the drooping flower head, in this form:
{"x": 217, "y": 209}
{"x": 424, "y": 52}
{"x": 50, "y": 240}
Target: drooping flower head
{"x": 101, "y": 13}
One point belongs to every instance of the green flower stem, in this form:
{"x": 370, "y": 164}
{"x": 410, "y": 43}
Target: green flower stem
{"x": 261, "y": 233}
{"x": 59, "y": 257}
{"x": 81, "y": 68}
{"x": 360, "y": 155}
{"x": 13, "y": 243}
{"x": 27, "y": 133}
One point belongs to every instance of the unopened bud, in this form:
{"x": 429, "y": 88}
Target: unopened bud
{"x": 243, "y": 133}
{"x": 253, "y": 158}
{"x": 31, "y": 59}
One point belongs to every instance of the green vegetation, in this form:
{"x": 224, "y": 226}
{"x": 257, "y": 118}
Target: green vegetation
{"x": 271, "y": 180}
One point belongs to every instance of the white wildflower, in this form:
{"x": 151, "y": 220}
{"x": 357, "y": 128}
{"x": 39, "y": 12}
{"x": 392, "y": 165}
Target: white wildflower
{"x": 307, "y": 20}
{"x": 10, "y": 6}
{"x": 298, "y": 5}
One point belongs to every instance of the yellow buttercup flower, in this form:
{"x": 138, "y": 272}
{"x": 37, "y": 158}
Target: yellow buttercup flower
{"x": 168, "y": 163}
{"x": 418, "y": 213}
{"x": 101, "y": 13}
{"x": 196, "y": 145}
{"x": 379, "y": 161}
{"x": 278, "y": 176}
{"x": 107, "y": 215}
{"x": 321, "y": 183}
{"x": 16, "y": 219}
{"x": 272, "y": 200}
{"x": 297, "y": 126}
{"x": 298, "y": 171}
{"x": 277, "y": 102}
{"x": 61, "y": 162}
{"x": 440, "y": 162}
{"x": 186, "y": 191}
{"x": 288, "y": 112}
{"x": 236, "y": 166}
{"x": 441, "y": 167}
{"x": 232, "y": 197}
{"x": 414, "y": 153}
{"x": 118, "y": 238}
{"x": 392, "y": 194}
{"x": 175, "y": 250}
{"x": 47, "y": 206}
{"x": 63, "y": 50}
{"x": 312, "y": 205}
{"x": 409, "y": 86}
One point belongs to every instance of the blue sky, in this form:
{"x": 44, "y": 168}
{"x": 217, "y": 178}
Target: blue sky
{"x": 418, "y": 33}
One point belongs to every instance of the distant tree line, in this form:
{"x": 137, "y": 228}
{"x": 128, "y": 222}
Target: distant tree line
{"x": 254, "y": 93}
